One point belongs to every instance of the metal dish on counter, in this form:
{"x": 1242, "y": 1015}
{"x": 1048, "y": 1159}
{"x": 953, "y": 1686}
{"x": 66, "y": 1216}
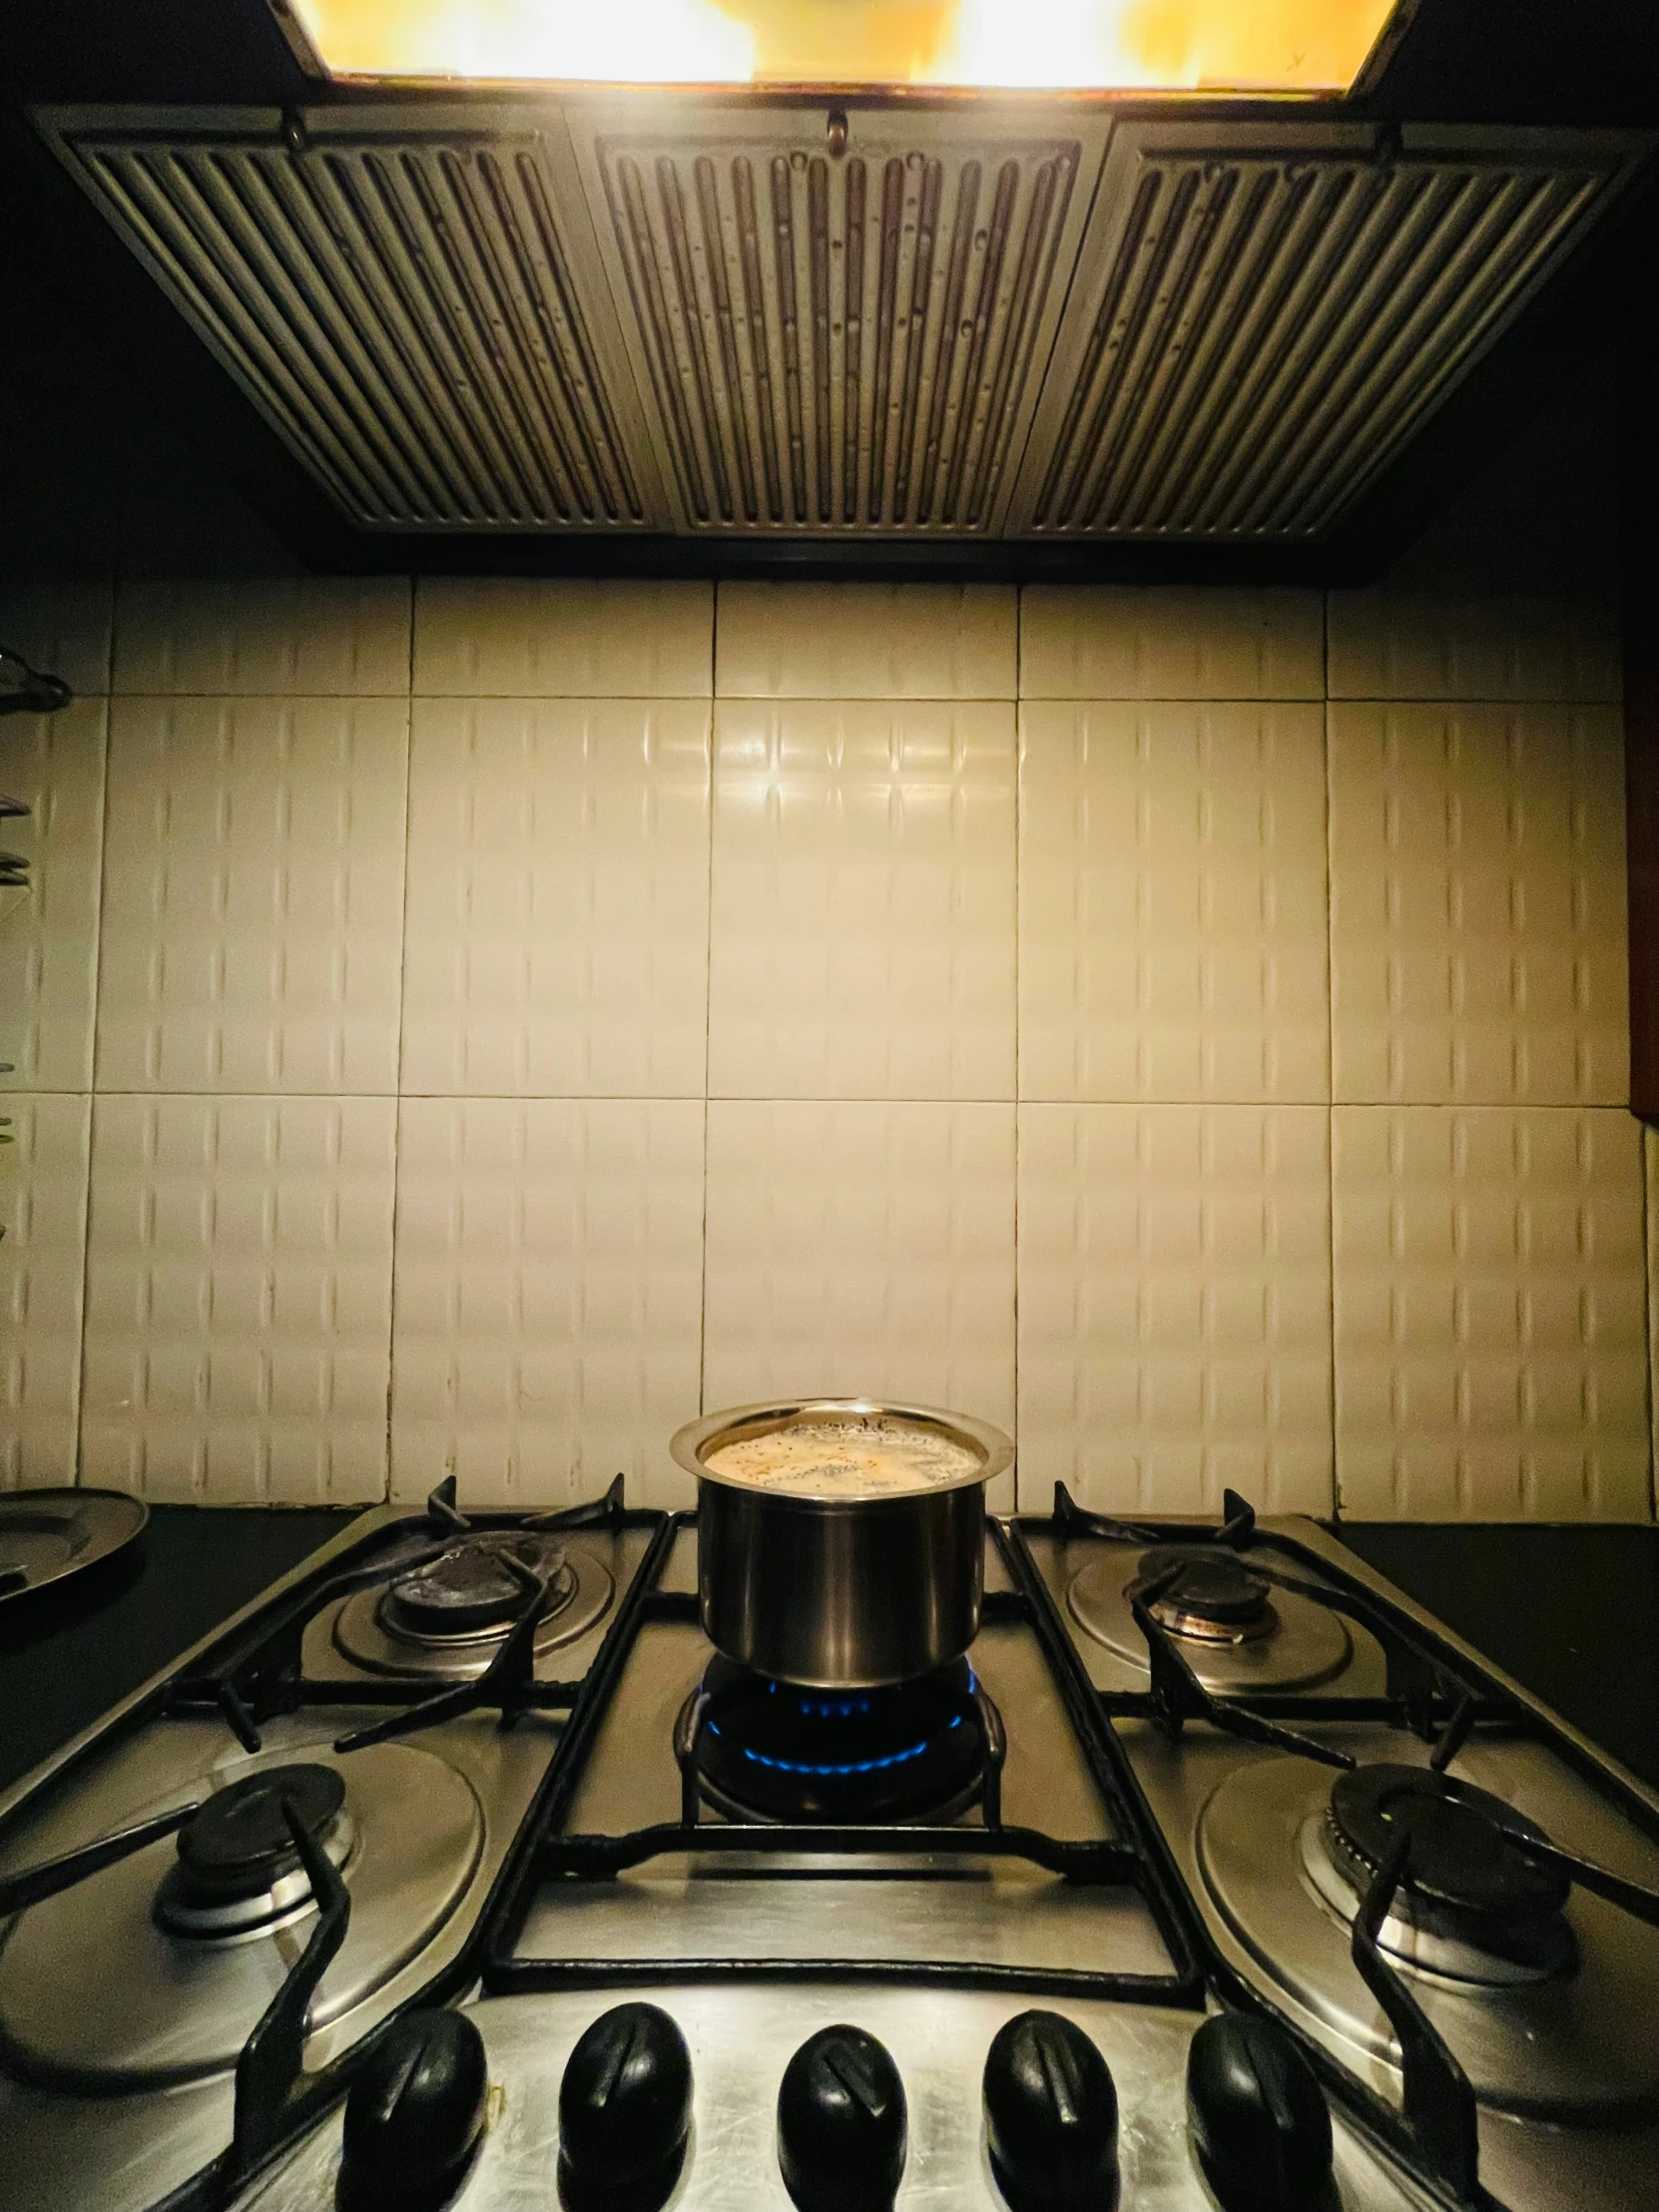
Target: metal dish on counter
{"x": 50, "y": 1534}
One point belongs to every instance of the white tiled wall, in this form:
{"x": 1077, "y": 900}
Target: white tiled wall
{"x": 1188, "y": 1026}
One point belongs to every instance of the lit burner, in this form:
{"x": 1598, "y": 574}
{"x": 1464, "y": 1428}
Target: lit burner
{"x": 772, "y": 1751}
{"x": 1213, "y": 1598}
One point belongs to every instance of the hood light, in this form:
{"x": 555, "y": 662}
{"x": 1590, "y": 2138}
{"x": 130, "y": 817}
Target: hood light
{"x": 1241, "y": 46}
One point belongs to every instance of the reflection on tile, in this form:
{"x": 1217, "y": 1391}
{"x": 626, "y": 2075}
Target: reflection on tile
{"x": 1388, "y": 644}
{"x": 238, "y": 1299}
{"x": 865, "y": 641}
{"x": 43, "y": 1210}
{"x": 1490, "y": 1315}
{"x": 339, "y": 636}
{"x": 53, "y": 764}
{"x": 1478, "y": 947}
{"x": 1175, "y": 1307}
{"x": 1133, "y": 641}
{"x": 252, "y": 896}
{"x": 541, "y": 638}
{"x": 557, "y": 938}
{"x": 549, "y": 1297}
{"x": 61, "y": 629}
{"x": 862, "y": 906}
{"x": 861, "y": 1249}
{"x": 1172, "y": 902}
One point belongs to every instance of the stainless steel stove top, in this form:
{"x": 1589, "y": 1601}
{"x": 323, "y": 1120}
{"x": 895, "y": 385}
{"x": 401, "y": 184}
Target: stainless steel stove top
{"x": 1162, "y": 1796}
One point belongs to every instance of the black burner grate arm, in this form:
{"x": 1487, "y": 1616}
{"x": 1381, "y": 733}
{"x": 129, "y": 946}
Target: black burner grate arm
{"x": 1178, "y": 1696}
{"x": 1438, "y": 2100}
{"x": 36, "y": 1883}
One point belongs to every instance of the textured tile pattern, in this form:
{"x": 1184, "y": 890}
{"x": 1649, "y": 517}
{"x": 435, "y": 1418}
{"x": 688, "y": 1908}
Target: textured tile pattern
{"x": 1175, "y": 1307}
{"x": 62, "y": 629}
{"x": 865, "y": 641}
{"x": 863, "y": 927}
{"x": 1172, "y": 902}
{"x": 334, "y": 636}
{"x": 549, "y": 1297}
{"x": 53, "y": 764}
{"x": 525, "y": 638}
{"x": 1122, "y": 641}
{"x": 1490, "y": 1315}
{"x": 254, "y": 894}
{"x": 238, "y": 1299}
{"x": 861, "y": 1248}
{"x": 1477, "y": 928}
{"x": 1443, "y": 644}
{"x": 557, "y": 938}
{"x": 43, "y": 1209}
{"x": 697, "y": 977}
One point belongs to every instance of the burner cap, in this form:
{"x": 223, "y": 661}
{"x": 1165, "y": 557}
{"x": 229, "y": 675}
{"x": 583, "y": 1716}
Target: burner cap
{"x": 910, "y": 1751}
{"x": 1214, "y": 1596}
{"x": 471, "y": 1589}
{"x": 1462, "y": 1868}
{"x": 238, "y": 1845}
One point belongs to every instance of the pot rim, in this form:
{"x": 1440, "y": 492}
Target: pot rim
{"x": 689, "y": 1446}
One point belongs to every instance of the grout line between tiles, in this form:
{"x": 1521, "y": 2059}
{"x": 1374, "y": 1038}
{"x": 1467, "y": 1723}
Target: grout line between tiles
{"x": 707, "y": 1002}
{"x": 92, "y": 1075}
{"x": 1020, "y": 781}
{"x": 1329, "y": 1055}
{"x": 402, "y": 1002}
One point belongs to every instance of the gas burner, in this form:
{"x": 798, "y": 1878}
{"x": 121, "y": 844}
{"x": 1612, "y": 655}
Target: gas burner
{"x": 238, "y": 1870}
{"x": 471, "y": 1590}
{"x": 1235, "y": 1636}
{"x": 449, "y": 1616}
{"x": 1213, "y": 1598}
{"x": 774, "y": 1752}
{"x": 1472, "y": 1904}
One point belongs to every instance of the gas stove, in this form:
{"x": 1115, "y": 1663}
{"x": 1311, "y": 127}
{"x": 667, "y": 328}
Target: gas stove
{"x": 460, "y": 1868}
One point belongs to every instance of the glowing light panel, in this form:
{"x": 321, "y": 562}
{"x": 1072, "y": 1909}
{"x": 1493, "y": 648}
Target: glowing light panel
{"x": 1165, "y": 45}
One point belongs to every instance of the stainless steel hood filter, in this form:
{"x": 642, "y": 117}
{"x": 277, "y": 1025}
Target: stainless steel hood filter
{"x": 715, "y": 317}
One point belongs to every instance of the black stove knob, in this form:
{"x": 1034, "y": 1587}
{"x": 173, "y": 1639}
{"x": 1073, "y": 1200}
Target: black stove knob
{"x": 625, "y": 2109}
{"x": 1260, "y": 2120}
{"x": 414, "y": 2116}
{"x": 1051, "y": 2116}
{"x": 842, "y": 2126}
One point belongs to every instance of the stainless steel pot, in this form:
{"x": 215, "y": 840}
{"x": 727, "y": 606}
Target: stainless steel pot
{"x": 839, "y": 1593}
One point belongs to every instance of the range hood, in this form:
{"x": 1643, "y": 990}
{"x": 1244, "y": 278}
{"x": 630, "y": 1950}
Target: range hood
{"x": 738, "y": 318}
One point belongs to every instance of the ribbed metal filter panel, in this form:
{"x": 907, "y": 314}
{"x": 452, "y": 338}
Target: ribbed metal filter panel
{"x": 1254, "y": 334}
{"x": 404, "y": 310}
{"x": 840, "y": 343}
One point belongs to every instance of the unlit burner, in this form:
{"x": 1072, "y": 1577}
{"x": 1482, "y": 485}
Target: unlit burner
{"x": 1470, "y": 1903}
{"x": 450, "y": 1615}
{"x": 776, "y": 1752}
{"x": 1240, "y": 1632}
{"x": 239, "y": 1870}
{"x": 1213, "y": 1599}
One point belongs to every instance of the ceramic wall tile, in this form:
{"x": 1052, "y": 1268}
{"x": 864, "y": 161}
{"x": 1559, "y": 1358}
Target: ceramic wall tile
{"x": 336, "y": 636}
{"x": 861, "y": 1248}
{"x": 1441, "y": 645}
{"x": 1172, "y": 902}
{"x": 545, "y": 637}
{"x": 1490, "y": 1315}
{"x": 863, "y": 902}
{"x": 61, "y": 629}
{"x": 1477, "y": 904}
{"x": 238, "y": 1299}
{"x": 1131, "y": 641}
{"x": 549, "y": 1297}
{"x": 867, "y": 641}
{"x": 53, "y": 764}
{"x": 557, "y": 938}
{"x": 252, "y": 896}
{"x": 43, "y": 1210}
{"x": 1175, "y": 1307}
